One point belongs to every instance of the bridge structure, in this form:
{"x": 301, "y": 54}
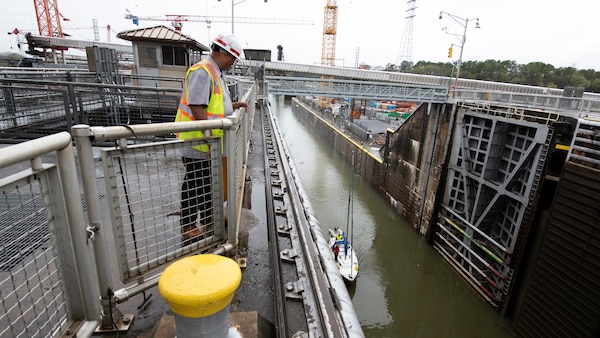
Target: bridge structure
{"x": 301, "y": 79}
{"x": 494, "y": 158}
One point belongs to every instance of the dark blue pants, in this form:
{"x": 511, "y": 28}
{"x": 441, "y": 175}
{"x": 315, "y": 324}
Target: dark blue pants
{"x": 196, "y": 193}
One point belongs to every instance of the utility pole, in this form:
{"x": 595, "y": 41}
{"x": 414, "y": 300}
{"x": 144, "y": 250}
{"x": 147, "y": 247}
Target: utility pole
{"x": 462, "y": 38}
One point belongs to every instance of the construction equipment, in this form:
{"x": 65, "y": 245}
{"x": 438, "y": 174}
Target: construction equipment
{"x": 328, "y": 48}
{"x": 329, "y": 33}
{"x": 47, "y": 14}
{"x": 177, "y": 20}
{"x": 96, "y": 29}
{"x": 51, "y": 37}
{"x": 19, "y": 37}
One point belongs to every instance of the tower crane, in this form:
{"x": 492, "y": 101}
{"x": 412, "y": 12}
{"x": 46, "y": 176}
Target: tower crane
{"x": 47, "y": 15}
{"x": 51, "y": 34}
{"x": 48, "y": 21}
{"x": 329, "y": 33}
{"x": 328, "y": 48}
{"x": 96, "y": 29}
{"x": 177, "y": 20}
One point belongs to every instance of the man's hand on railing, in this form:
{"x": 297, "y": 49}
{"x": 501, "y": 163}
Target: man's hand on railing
{"x": 241, "y": 104}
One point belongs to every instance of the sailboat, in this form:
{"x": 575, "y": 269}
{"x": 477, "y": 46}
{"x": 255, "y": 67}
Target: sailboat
{"x": 340, "y": 241}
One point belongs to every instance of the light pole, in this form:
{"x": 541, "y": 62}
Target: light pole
{"x": 462, "y": 38}
{"x": 233, "y": 3}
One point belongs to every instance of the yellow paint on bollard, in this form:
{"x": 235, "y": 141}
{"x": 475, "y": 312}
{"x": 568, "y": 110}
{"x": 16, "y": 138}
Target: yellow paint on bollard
{"x": 199, "y": 286}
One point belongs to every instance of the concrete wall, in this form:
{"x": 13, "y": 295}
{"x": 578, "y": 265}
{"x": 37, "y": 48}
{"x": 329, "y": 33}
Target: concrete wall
{"x": 404, "y": 176}
{"x": 173, "y": 72}
{"x": 415, "y": 158}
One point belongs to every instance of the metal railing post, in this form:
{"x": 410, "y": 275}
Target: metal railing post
{"x": 68, "y": 169}
{"x": 230, "y": 143}
{"x": 84, "y": 304}
{"x": 110, "y": 315}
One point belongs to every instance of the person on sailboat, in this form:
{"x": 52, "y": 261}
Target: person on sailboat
{"x": 336, "y": 251}
{"x": 340, "y": 239}
{"x": 338, "y": 236}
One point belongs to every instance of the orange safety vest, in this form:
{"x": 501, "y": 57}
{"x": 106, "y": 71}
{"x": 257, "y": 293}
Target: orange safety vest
{"x": 215, "y": 109}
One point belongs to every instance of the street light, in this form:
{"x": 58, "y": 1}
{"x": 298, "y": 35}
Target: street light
{"x": 462, "y": 38}
{"x": 233, "y": 3}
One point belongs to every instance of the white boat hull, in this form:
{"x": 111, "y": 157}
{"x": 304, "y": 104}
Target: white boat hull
{"x": 347, "y": 260}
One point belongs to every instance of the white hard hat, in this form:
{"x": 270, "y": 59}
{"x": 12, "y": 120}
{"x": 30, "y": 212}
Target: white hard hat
{"x": 231, "y": 43}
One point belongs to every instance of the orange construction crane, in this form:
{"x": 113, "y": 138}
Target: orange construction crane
{"x": 48, "y": 21}
{"x": 329, "y": 33}
{"x": 47, "y": 15}
{"x": 328, "y": 48}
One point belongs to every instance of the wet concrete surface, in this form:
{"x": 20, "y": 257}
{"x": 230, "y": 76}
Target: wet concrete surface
{"x": 255, "y": 292}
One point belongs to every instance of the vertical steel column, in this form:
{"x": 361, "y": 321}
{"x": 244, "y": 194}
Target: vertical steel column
{"x": 61, "y": 143}
{"x": 83, "y": 135}
{"x": 230, "y": 142}
{"x": 83, "y": 259}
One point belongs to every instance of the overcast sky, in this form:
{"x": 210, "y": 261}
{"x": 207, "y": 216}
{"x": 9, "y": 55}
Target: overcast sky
{"x": 561, "y": 33}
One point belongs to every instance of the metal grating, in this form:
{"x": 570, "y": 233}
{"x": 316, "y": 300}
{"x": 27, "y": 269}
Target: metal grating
{"x": 35, "y": 302}
{"x": 33, "y": 108}
{"x": 31, "y": 112}
{"x": 143, "y": 184}
{"x": 586, "y": 149}
{"x": 23, "y": 228}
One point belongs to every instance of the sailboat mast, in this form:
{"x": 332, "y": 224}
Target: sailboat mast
{"x": 351, "y": 230}
{"x": 352, "y": 195}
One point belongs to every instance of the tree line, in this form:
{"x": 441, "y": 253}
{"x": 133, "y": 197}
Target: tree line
{"x": 533, "y": 74}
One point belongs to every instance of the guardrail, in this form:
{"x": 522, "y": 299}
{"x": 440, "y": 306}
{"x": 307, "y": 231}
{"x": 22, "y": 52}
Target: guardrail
{"x": 410, "y": 92}
{"x": 34, "y": 108}
{"x": 55, "y": 263}
{"x": 310, "y": 86}
{"x": 576, "y": 107}
{"x": 46, "y": 277}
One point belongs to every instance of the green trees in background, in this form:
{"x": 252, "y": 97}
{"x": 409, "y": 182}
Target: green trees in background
{"x": 533, "y": 74}
{"x": 9, "y": 59}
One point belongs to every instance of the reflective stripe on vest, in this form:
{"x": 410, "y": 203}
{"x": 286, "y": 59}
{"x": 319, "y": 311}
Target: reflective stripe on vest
{"x": 215, "y": 109}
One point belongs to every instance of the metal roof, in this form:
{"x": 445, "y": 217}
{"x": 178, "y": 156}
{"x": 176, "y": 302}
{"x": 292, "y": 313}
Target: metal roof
{"x": 56, "y": 42}
{"x": 161, "y": 34}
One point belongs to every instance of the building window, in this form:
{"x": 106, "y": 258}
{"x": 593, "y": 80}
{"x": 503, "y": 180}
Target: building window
{"x": 147, "y": 56}
{"x": 173, "y": 56}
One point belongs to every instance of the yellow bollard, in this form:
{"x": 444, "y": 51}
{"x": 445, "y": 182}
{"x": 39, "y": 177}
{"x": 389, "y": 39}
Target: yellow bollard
{"x": 199, "y": 289}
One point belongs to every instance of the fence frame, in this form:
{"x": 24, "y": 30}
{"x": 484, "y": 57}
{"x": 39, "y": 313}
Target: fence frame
{"x": 94, "y": 299}
{"x": 84, "y": 309}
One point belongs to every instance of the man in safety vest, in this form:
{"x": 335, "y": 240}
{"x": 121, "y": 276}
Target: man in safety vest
{"x": 205, "y": 96}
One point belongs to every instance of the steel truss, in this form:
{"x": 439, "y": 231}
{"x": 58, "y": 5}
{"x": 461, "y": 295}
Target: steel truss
{"x": 298, "y": 86}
